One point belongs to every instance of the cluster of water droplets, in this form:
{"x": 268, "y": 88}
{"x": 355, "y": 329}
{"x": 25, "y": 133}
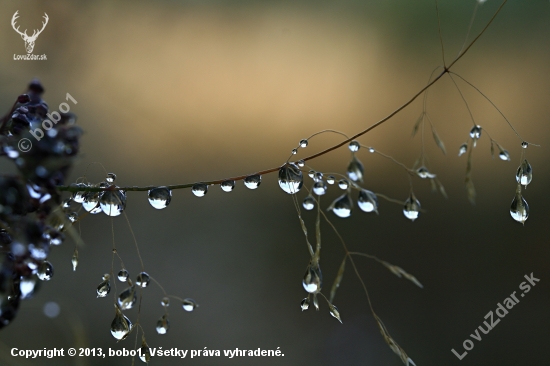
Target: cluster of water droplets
{"x": 111, "y": 201}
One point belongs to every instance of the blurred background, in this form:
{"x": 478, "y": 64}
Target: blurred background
{"x": 182, "y": 91}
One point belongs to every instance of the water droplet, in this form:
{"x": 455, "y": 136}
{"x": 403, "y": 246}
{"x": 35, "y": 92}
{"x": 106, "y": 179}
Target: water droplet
{"x": 367, "y": 201}
{"x": 28, "y": 287}
{"x": 291, "y": 178}
{"x": 142, "y": 279}
{"x": 303, "y": 143}
{"x": 121, "y": 325}
{"x": 355, "y": 169}
{"x": 159, "y": 197}
{"x": 78, "y": 197}
{"x": 72, "y": 217}
{"x": 227, "y": 185}
{"x": 253, "y": 181}
{"x": 127, "y": 298}
{"x": 318, "y": 177}
{"x": 371, "y": 150}
{"x": 475, "y": 133}
{"x": 343, "y": 184}
{"x": 163, "y": 325}
{"x": 342, "y": 206}
{"x": 113, "y": 202}
{"x": 111, "y": 177}
{"x": 74, "y": 259}
{"x": 67, "y": 203}
{"x": 104, "y": 287}
{"x": 462, "y": 150}
{"x": 313, "y": 279}
{"x": 424, "y": 173}
{"x": 331, "y": 179}
{"x": 91, "y": 202}
{"x": 524, "y": 174}
{"x": 305, "y": 304}
{"x": 199, "y": 189}
{"x": 301, "y": 163}
{"x": 504, "y": 155}
{"x": 123, "y": 275}
{"x": 309, "y": 203}
{"x": 525, "y": 144}
{"x": 294, "y": 151}
{"x": 311, "y": 174}
{"x": 144, "y": 352}
{"x": 354, "y": 146}
{"x": 411, "y": 208}
{"x": 189, "y": 304}
{"x": 45, "y": 271}
{"x": 334, "y": 312}
{"x": 320, "y": 188}
{"x": 519, "y": 208}
{"x": 165, "y": 301}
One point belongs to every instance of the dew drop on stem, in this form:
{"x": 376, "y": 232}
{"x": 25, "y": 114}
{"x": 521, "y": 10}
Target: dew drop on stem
{"x": 189, "y": 304}
{"x": 165, "y": 301}
{"x": 121, "y": 325}
{"x": 104, "y": 287}
{"x": 291, "y": 178}
{"x": 475, "y": 133}
{"x": 524, "y": 174}
{"x": 313, "y": 278}
{"x": 127, "y": 298}
{"x": 319, "y": 188}
{"x": 45, "y": 271}
{"x": 367, "y": 201}
{"x": 411, "y": 208}
{"x": 305, "y": 304}
{"x": 462, "y": 150}
{"x": 111, "y": 177}
{"x": 309, "y": 203}
{"x": 253, "y": 181}
{"x": 355, "y": 169}
{"x": 343, "y": 184}
{"x": 331, "y": 179}
{"x": 342, "y": 206}
{"x": 112, "y": 203}
{"x": 199, "y": 189}
{"x": 519, "y": 209}
{"x": 227, "y": 185}
{"x": 159, "y": 197}
{"x": 303, "y": 143}
{"x": 79, "y": 196}
{"x": 143, "y": 279}
{"x": 123, "y": 275}
{"x": 163, "y": 325}
{"x": 354, "y": 146}
{"x": 144, "y": 352}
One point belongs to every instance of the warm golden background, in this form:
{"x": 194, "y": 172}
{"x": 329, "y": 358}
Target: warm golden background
{"x": 175, "y": 92}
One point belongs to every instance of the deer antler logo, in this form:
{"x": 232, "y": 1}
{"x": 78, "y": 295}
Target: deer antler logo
{"x": 29, "y": 40}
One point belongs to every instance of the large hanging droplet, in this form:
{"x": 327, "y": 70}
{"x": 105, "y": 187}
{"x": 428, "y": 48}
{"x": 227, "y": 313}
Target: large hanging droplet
{"x": 313, "y": 279}
{"x": 123, "y": 275}
{"x": 45, "y": 271}
{"x": 475, "y": 134}
{"x": 227, "y": 185}
{"x": 303, "y": 143}
{"x": 319, "y": 188}
{"x": 104, "y": 287}
{"x": 91, "y": 202}
{"x": 142, "y": 279}
{"x": 163, "y": 325}
{"x": 189, "y": 304}
{"x": 253, "y": 181}
{"x": 411, "y": 208}
{"x": 159, "y": 197}
{"x": 305, "y": 304}
{"x": 342, "y": 206}
{"x": 199, "y": 189}
{"x": 79, "y": 196}
{"x": 524, "y": 174}
{"x": 519, "y": 208}
{"x": 144, "y": 352}
{"x": 291, "y": 178}
{"x": 367, "y": 201}
{"x": 355, "y": 169}
{"x": 113, "y": 202}
{"x": 127, "y": 298}
{"x": 309, "y": 203}
{"x": 121, "y": 325}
